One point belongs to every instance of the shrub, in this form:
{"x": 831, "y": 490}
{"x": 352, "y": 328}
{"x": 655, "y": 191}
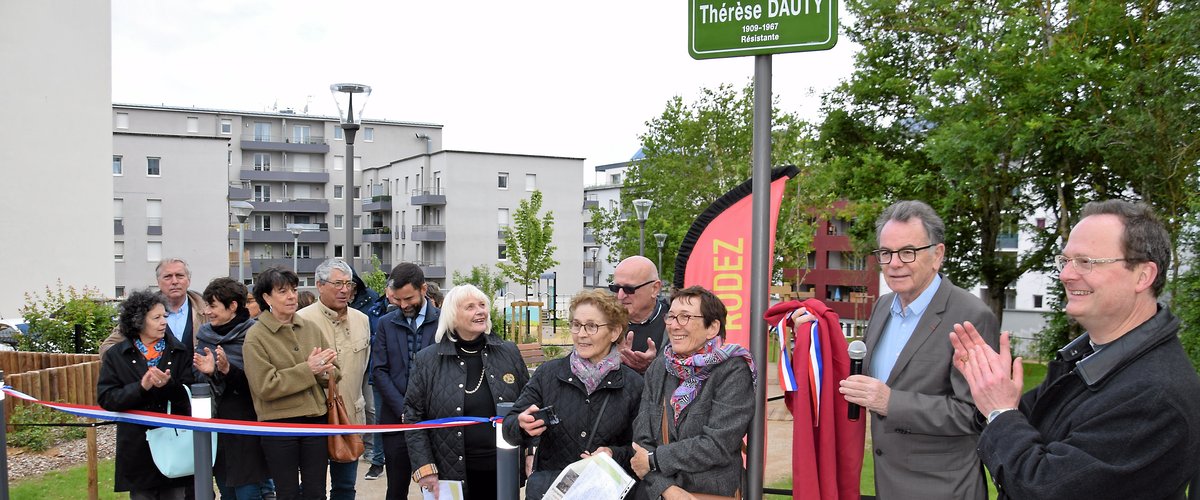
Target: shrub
{"x": 40, "y": 438}
{"x": 52, "y": 317}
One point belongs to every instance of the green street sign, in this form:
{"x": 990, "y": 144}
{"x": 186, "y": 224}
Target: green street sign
{"x": 757, "y": 27}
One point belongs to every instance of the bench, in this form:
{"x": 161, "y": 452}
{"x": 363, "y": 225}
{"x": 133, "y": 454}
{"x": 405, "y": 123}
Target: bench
{"x": 532, "y": 354}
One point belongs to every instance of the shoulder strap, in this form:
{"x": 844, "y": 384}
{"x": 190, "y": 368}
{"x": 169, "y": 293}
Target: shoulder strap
{"x": 665, "y": 432}
{"x": 596, "y": 424}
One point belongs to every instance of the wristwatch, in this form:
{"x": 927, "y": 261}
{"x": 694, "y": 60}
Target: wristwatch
{"x": 996, "y": 413}
{"x": 653, "y": 461}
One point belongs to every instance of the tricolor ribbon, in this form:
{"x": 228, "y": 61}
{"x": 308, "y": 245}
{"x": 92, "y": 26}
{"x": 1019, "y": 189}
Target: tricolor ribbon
{"x": 787, "y": 375}
{"x": 241, "y": 426}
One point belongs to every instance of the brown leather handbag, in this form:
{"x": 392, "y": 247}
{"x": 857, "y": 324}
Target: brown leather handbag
{"x": 737, "y": 495}
{"x": 344, "y": 448}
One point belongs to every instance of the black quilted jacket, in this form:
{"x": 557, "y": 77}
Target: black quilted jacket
{"x": 436, "y": 391}
{"x": 554, "y": 384}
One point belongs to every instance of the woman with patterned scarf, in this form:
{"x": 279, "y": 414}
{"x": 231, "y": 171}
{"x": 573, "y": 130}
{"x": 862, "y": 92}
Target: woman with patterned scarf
{"x": 594, "y": 396}
{"x": 144, "y": 371}
{"x": 697, "y": 406}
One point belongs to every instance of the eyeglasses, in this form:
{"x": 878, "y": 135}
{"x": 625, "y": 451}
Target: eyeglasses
{"x": 681, "y": 319}
{"x": 907, "y": 255}
{"x": 629, "y": 289}
{"x": 1083, "y": 265}
{"x": 591, "y": 328}
{"x": 342, "y": 284}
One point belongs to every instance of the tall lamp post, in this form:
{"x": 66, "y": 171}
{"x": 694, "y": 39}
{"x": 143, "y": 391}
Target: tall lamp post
{"x": 661, "y": 238}
{"x": 241, "y": 211}
{"x": 350, "y": 113}
{"x": 595, "y": 270}
{"x": 642, "y": 207}
{"x": 297, "y": 230}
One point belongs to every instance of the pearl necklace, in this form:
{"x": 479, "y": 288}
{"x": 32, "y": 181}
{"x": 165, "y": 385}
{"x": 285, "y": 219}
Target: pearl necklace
{"x": 480, "y": 382}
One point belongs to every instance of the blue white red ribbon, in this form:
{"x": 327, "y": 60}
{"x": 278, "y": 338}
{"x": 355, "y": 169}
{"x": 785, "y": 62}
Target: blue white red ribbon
{"x": 816, "y": 365}
{"x": 241, "y": 426}
{"x": 787, "y": 377}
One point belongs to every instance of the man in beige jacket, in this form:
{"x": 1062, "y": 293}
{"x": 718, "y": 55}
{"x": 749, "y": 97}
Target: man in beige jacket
{"x": 349, "y": 331}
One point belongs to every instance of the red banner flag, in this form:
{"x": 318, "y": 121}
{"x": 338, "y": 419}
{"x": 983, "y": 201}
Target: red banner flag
{"x": 716, "y": 255}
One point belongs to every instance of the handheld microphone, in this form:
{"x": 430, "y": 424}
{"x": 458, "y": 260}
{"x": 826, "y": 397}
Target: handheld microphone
{"x": 857, "y": 351}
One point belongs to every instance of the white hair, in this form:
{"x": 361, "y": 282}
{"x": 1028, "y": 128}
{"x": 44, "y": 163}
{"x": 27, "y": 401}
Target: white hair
{"x": 450, "y": 307}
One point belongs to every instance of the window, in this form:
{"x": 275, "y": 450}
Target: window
{"x": 337, "y": 132}
{"x": 1041, "y": 222}
{"x": 530, "y": 182}
{"x": 301, "y": 134}
{"x": 122, "y": 120}
{"x": 118, "y": 208}
{"x": 152, "y": 166}
{"x": 357, "y": 192}
{"x": 502, "y": 180}
{"x": 357, "y": 252}
{"x": 337, "y": 191}
{"x": 226, "y": 126}
{"x": 502, "y": 252}
{"x": 337, "y": 221}
{"x": 154, "y": 213}
{"x": 337, "y": 251}
{"x": 193, "y": 125}
{"x": 262, "y": 161}
{"x": 614, "y": 178}
{"x": 262, "y": 131}
{"x": 358, "y": 222}
{"x": 153, "y": 251}
{"x": 262, "y": 222}
{"x": 502, "y": 217}
{"x": 1037, "y": 301}
{"x": 118, "y": 167}
{"x": 262, "y": 192}
{"x": 369, "y": 136}
{"x": 304, "y": 251}
{"x": 339, "y": 162}
{"x": 120, "y": 292}
{"x": 119, "y": 251}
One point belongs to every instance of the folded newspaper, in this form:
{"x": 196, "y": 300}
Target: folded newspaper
{"x": 598, "y": 476}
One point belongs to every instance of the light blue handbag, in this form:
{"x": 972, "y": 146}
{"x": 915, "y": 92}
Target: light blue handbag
{"x": 172, "y": 448}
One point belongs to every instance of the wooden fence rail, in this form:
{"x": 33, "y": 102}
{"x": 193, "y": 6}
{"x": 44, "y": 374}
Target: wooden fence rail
{"x": 65, "y": 378}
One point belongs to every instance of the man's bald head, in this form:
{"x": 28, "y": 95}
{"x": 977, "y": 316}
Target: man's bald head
{"x": 640, "y": 273}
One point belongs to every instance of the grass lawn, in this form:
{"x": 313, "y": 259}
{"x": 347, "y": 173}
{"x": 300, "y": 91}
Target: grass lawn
{"x": 66, "y": 484}
{"x": 1034, "y": 374}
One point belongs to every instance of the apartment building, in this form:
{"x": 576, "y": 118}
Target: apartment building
{"x": 605, "y": 193}
{"x": 175, "y": 169}
{"x": 446, "y": 211}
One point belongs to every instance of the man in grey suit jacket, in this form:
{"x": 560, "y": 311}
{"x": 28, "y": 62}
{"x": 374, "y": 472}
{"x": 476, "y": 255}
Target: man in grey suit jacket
{"x": 924, "y": 426}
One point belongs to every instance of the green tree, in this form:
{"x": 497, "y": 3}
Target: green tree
{"x": 527, "y": 243}
{"x": 491, "y": 283}
{"x": 53, "y": 314}
{"x": 376, "y": 279}
{"x": 991, "y": 111}
{"x": 694, "y": 153}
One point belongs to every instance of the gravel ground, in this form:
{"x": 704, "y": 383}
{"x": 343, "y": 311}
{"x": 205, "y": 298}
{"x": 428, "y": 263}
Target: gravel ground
{"x": 23, "y": 463}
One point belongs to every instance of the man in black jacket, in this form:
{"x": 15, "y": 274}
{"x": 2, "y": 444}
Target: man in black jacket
{"x": 399, "y": 336}
{"x": 1118, "y": 415}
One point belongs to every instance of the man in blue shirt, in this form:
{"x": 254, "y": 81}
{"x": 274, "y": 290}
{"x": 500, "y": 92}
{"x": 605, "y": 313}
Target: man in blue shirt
{"x": 924, "y": 426}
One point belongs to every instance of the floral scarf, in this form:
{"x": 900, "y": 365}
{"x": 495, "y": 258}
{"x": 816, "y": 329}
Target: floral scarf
{"x": 693, "y": 370}
{"x": 592, "y": 373}
{"x": 159, "y": 347}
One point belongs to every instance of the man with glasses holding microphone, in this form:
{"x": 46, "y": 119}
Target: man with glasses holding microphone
{"x": 636, "y": 285}
{"x": 924, "y": 426}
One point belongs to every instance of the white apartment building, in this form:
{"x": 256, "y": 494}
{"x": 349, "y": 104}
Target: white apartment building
{"x": 446, "y": 211}
{"x": 54, "y": 211}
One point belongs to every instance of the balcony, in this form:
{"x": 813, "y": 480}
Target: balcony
{"x": 118, "y": 226}
{"x": 240, "y": 191}
{"x": 377, "y": 234}
{"x": 258, "y": 265}
{"x": 378, "y": 203}
{"x": 589, "y": 238}
{"x": 429, "y": 233}
{"x": 280, "y": 236}
{"x": 307, "y": 205}
{"x": 256, "y": 142}
{"x": 1006, "y": 241}
{"x": 428, "y": 196}
{"x": 435, "y": 270}
{"x": 590, "y": 202}
{"x": 280, "y": 174}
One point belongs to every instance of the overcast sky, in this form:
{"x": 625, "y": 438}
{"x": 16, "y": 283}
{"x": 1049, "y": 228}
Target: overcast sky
{"x": 551, "y": 77}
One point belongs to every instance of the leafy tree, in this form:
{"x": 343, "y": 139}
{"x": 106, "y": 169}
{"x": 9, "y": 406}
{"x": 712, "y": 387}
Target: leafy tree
{"x": 527, "y": 241}
{"x": 491, "y": 283}
{"x": 377, "y": 278}
{"x": 52, "y": 317}
{"x": 694, "y": 153}
{"x": 991, "y": 111}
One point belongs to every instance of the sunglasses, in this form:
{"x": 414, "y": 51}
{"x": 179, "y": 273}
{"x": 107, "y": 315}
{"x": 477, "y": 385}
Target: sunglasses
{"x": 628, "y": 289}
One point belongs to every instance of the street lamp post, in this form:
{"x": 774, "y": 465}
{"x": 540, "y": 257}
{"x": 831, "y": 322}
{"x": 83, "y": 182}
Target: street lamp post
{"x": 642, "y": 207}
{"x": 241, "y": 211}
{"x": 297, "y": 230}
{"x": 661, "y": 238}
{"x": 351, "y": 116}
{"x": 595, "y": 270}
